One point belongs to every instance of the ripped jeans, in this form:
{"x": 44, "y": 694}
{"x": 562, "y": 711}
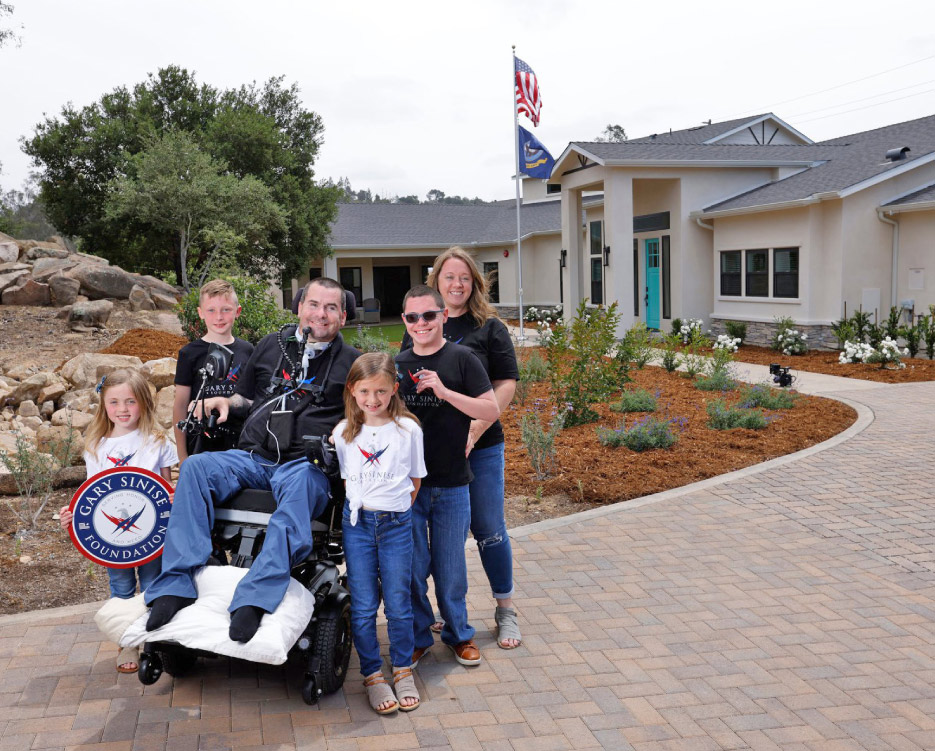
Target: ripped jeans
{"x": 488, "y": 525}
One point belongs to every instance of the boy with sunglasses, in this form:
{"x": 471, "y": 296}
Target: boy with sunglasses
{"x": 446, "y": 387}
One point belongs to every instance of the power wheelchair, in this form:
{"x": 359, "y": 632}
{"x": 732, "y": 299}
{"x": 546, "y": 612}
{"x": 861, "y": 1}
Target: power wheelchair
{"x": 237, "y": 538}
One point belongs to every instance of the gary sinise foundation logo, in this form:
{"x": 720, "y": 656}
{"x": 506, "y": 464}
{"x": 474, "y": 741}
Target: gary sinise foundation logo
{"x": 120, "y": 516}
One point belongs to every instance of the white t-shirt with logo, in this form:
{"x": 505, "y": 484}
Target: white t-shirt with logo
{"x": 131, "y": 450}
{"x": 379, "y": 463}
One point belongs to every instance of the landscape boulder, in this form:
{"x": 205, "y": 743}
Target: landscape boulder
{"x": 27, "y": 292}
{"x": 46, "y": 251}
{"x": 163, "y": 301}
{"x": 161, "y": 372}
{"x": 9, "y": 252}
{"x": 140, "y": 299}
{"x": 85, "y": 370}
{"x": 44, "y": 268}
{"x": 27, "y": 408}
{"x": 64, "y": 289}
{"x": 165, "y": 401}
{"x": 30, "y": 388}
{"x": 89, "y": 315}
{"x": 77, "y": 420}
{"x": 98, "y": 281}
{"x": 80, "y": 400}
{"x": 54, "y": 439}
{"x": 158, "y": 285}
{"x": 52, "y": 391}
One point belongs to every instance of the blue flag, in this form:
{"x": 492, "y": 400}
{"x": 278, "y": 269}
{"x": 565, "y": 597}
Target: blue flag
{"x": 534, "y": 158}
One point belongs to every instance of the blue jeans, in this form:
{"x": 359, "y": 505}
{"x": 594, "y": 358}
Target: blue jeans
{"x": 488, "y": 524}
{"x": 301, "y": 492}
{"x": 123, "y": 580}
{"x": 440, "y": 521}
{"x": 378, "y": 550}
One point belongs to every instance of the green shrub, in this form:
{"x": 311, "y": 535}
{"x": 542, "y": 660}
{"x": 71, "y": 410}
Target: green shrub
{"x": 913, "y": 337}
{"x": 693, "y": 358}
{"x": 535, "y": 369}
{"x": 892, "y": 327}
{"x": 718, "y": 380}
{"x": 724, "y": 417}
{"x": 261, "y": 313}
{"x": 650, "y": 432}
{"x": 860, "y": 321}
{"x": 670, "y": 352}
{"x": 765, "y": 396}
{"x": 638, "y": 400}
{"x": 677, "y": 326}
{"x": 844, "y": 331}
{"x": 371, "y": 340}
{"x": 736, "y": 330}
{"x": 640, "y": 343}
{"x": 875, "y": 335}
{"x": 580, "y": 371}
{"x": 928, "y": 333}
{"x": 539, "y": 442}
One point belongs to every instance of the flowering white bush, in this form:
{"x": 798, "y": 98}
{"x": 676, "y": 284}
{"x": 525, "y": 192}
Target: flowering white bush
{"x": 856, "y": 352}
{"x": 792, "y": 342}
{"x": 690, "y": 325}
{"x": 548, "y": 315}
{"x": 889, "y": 353}
{"x": 727, "y": 342}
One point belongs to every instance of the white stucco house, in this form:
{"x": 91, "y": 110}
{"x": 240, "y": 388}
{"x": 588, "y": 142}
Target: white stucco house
{"x": 741, "y": 220}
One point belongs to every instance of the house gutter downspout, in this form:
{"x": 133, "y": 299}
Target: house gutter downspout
{"x": 895, "y": 269}
{"x": 701, "y": 223}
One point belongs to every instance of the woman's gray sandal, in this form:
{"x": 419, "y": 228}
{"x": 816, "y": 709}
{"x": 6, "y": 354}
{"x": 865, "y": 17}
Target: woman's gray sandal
{"x": 405, "y": 687}
{"x": 507, "y": 627}
{"x": 379, "y": 692}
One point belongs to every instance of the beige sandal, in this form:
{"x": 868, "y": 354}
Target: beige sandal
{"x": 379, "y": 692}
{"x": 405, "y": 688}
{"x": 128, "y": 656}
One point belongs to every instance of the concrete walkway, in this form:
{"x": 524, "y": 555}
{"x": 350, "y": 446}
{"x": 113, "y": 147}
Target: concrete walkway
{"x": 786, "y": 606}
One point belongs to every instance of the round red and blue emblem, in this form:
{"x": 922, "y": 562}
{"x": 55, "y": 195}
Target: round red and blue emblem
{"x": 120, "y": 517}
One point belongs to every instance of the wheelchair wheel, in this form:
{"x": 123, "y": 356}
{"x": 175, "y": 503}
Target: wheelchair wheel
{"x": 331, "y": 646}
{"x": 178, "y": 662}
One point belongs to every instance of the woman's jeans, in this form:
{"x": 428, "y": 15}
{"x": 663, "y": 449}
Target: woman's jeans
{"x": 440, "y": 521}
{"x": 378, "y": 550}
{"x": 488, "y": 525}
{"x": 123, "y": 580}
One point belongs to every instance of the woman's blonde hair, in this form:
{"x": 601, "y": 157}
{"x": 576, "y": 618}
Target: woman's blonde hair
{"x": 101, "y": 425}
{"x": 478, "y": 304}
{"x": 367, "y": 366}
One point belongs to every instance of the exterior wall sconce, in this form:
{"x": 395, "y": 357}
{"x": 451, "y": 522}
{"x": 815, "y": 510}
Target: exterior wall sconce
{"x": 607, "y": 255}
{"x": 563, "y": 259}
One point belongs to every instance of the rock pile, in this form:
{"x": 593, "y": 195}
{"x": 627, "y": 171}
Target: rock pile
{"x": 44, "y": 406}
{"x": 47, "y": 273}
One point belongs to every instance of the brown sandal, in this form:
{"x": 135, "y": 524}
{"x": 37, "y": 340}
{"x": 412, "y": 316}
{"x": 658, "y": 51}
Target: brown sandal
{"x": 379, "y": 692}
{"x": 405, "y": 688}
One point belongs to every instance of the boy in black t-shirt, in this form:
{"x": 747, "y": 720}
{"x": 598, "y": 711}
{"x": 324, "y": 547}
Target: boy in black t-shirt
{"x": 446, "y": 387}
{"x": 219, "y": 309}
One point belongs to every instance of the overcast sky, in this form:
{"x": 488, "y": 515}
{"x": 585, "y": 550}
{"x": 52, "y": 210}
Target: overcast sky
{"x": 418, "y": 95}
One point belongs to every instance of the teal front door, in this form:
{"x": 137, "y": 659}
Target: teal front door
{"x": 652, "y": 283}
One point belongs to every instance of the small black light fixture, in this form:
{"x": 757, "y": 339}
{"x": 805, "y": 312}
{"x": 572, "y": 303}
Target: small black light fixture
{"x": 563, "y": 259}
{"x": 607, "y": 255}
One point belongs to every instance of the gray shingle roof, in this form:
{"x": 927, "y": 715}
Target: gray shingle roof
{"x": 846, "y": 161}
{"x": 696, "y": 152}
{"x": 369, "y": 225}
{"x": 698, "y": 134}
{"x": 922, "y": 195}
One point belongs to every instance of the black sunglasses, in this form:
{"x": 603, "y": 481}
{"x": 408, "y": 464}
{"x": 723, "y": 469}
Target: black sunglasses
{"x": 428, "y": 316}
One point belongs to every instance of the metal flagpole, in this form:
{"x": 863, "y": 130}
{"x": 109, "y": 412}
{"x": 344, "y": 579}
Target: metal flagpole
{"x": 519, "y": 242}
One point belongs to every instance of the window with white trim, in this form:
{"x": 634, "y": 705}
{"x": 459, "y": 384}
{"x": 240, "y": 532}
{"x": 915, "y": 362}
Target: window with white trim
{"x": 766, "y": 273}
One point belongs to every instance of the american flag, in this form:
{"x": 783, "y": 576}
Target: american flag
{"x": 528, "y": 99}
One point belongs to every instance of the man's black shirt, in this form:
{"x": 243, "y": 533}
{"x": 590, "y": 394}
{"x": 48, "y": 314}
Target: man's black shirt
{"x": 267, "y": 364}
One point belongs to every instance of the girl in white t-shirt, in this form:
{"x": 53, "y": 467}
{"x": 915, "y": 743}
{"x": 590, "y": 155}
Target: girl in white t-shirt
{"x": 124, "y": 433}
{"x": 379, "y": 447}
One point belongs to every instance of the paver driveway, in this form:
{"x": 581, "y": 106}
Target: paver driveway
{"x": 787, "y": 607}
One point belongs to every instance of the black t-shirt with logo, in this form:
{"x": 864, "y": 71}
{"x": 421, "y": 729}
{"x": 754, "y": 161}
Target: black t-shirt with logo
{"x": 492, "y": 345}
{"x": 265, "y": 370}
{"x": 190, "y": 360}
{"x": 445, "y": 428}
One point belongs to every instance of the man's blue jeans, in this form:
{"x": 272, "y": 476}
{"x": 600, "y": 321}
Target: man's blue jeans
{"x": 123, "y": 580}
{"x": 440, "y": 521}
{"x": 488, "y": 525}
{"x": 378, "y": 550}
{"x": 301, "y": 494}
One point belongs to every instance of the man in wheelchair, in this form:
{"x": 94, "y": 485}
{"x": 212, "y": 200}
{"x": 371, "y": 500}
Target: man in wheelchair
{"x": 291, "y": 387}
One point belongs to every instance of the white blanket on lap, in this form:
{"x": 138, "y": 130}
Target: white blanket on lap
{"x": 204, "y": 624}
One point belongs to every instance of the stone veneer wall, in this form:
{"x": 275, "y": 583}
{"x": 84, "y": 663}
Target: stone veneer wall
{"x": 761, "y": 334}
